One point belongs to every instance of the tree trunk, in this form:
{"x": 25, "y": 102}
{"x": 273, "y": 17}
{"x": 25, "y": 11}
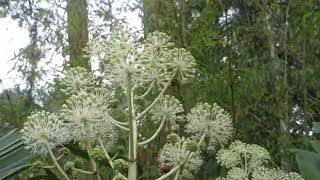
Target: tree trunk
{"x": 77, "y": 32}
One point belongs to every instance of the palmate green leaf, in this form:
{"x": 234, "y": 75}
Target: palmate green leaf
{"x": 13, "y": 157}
{"x": 309, "y": 164}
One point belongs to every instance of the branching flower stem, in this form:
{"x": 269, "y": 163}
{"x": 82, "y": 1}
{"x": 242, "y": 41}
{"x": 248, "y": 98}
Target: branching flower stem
{"x": 108, "y": 157}
{"x": 93, "y": 162}
{"x": 56, "y": 162}
{"x": 132, "y": 167}
{"x": 83, "y": 171}
{"x": 120, "y": 126}
{"x": 159, "y": 96}
{"x": 106, "y": 153}
{"x": 146, "y": 93}
{"x": 120, "y": 123}
{"x": 178, "y": 167}
{"x": 154, "y": 135}
{"x": 176, "y": 177}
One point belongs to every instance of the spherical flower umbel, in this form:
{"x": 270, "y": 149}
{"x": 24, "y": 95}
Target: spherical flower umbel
{"x": 167, "y": 107}
{"x": 212, "y": 121}
{"x": 82, "y": 114}
{"x": 156, "y": 42}
{"x": 176, "y": 154}
{"x": 122, "y": 58}
{"x": 76, "y": 80}
{"x": 106, "y": 131}
{"x": 183, "y": 62}
{"x": 262, "y": 173}
{"x": 154, "y": 60}
{"x": 42, "y": 130}
{"x": 254, "y": 155}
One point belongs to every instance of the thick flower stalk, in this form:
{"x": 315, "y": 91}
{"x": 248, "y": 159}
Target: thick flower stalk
{"x": 212, "y": 121}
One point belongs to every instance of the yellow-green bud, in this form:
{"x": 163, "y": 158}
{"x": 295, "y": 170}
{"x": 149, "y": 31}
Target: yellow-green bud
{"x": 79, "y": 163}
{"x": 121, "y": 165}
{"x": 192, "y": 146}
{"x": 173, "y": 138}
{"x": 83, "y": 145}
{"x": 68, "y": 167}
{"x": 97, "y": 153}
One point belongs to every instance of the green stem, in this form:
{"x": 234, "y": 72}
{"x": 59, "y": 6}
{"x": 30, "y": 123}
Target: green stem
{"x": 56, "y": 162}
{"x": 92, "y": 161}
{"x": 154, "y": 135}
{"x": 106, "y": 153}
{"x": 178, "y": 167}
{"x": 158, "y": 97}
{"x": 108, "y": 157}
{"x": 132, "y": 154}
{"x": 146, "y": 93}
{"x": 177, "y": 174}
{"x": 83, "y": 171}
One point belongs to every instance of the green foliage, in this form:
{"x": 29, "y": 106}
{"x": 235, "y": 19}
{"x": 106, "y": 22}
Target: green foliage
{"x": 14, "y": 158}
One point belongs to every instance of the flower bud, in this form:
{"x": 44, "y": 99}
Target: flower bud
{"x": 121, "y": 165}
{"x": 68, "y": 167}
{"x": 79, "y": 163}
{"x": 97, "y": 153}
{"x": 173, "y": 138}
{"x": 192, "y": 146}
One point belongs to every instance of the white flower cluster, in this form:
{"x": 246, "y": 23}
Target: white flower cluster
{"x": 247, "y": 161}
{"x": 152, "y": 61}
{"x": 263, "y": 173}
{"x": 239, "y": 152}
{"x": 174, "y": 154}
{"x": 84, "y": 114}
{"x": 183, "y": 62}
{"x": 43, "y": 130}
{"x": 211, "y": 120}
{"x": 167, "y": 107}
{"x": 76, "y": 80}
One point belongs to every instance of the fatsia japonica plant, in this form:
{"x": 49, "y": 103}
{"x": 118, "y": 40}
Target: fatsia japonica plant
{"x": 250, "y": 161}
{"x": 143, "y": 72}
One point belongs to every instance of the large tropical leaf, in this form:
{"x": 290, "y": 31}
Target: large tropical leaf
{"x": 309, "y": 164}
{"x": 14, "y": 158}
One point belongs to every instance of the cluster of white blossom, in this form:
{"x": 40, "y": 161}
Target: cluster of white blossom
{"x": 212, "y": 121}
{"x": 84, "y": 116}
{"x": 248, "y": 161}
{"x": 152, "y": 61}
{"x": 43, "y": 130}
{"x": 179, "y": 153}
{"x": 76, "y": 80}
{"x": 167, "y": 107}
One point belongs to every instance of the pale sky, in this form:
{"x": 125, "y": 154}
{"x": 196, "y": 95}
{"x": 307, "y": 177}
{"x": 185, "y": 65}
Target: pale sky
{"x": 13, "y": 37}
